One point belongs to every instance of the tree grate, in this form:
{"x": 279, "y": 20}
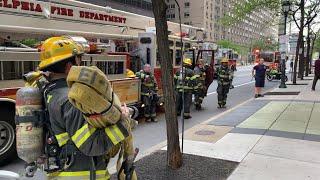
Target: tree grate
{"x": 282, "y": 93}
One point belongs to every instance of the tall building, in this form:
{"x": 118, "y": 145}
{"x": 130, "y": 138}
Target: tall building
{"x": 208, "y": 13}
{"x": 142, "y": 7}
{"x": 205, "y": 14}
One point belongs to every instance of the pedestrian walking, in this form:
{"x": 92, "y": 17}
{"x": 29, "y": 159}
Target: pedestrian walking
{"x": 259, "y": 73}
{"x": 291, "y": 66}
{"x": 316, "y": 74}
{"x": 224, "y": 78}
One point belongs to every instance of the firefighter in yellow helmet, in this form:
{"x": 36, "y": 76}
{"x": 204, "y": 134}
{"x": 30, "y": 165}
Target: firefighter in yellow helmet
{"x": 79, "y": 148}
{"x": 186, "y": 83}
{"x": 224, "y": 78}
{"x": 200, "y": 93}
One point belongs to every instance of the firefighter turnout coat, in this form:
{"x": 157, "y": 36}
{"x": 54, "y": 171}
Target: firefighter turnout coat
{"x": 79, "y": 142}
{"x": 224, "y": 78}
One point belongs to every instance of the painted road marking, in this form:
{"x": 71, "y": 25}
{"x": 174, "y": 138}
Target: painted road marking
{"x": 215, "y": 92}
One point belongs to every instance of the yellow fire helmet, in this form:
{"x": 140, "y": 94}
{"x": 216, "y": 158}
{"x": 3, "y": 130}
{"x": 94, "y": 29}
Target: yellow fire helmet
{"x": 57, "y": 49}
{"x": 187, "y": 61}
{"x": 130, "y": 74}
{"x": 224, "y": 60}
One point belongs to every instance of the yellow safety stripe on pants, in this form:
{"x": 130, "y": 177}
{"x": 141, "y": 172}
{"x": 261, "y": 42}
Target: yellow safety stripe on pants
{"x": 224, "y": 83}
{"x": 79, "y": 175}
{"x": 194, "y": 77}
{"x": 223, "y": 76}
{"x": 82, "y": 135}
{"x": 114, "y": 133}
{"x": 62, "y": 138}
{"x": 184, "y": 87}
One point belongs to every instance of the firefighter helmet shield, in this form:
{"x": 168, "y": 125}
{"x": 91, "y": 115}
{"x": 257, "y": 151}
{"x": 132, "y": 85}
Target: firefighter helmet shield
{"x": 187, "y": 61}
{"x": 224, "y": 60}
{"x": 130, "y": 74}
{"x": 57, "y": 49}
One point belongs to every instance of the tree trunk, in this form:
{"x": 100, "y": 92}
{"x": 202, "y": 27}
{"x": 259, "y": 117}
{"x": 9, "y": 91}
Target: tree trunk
{"x": 174, "y": 156}
{"x": 294, "y": 80}
{"x": 308, "y": 51}
{"x": 301, "y": 58}
{"x": 311, "y": 52}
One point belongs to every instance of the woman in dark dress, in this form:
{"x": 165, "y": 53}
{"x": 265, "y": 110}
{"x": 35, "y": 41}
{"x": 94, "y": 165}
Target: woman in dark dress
{"x": 259, "y": 72}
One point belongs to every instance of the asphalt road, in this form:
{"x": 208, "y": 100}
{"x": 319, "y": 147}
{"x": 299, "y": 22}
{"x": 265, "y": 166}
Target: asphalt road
{"x": 147, "y": 135}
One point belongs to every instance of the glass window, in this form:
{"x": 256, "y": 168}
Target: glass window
{"x": 186, "y": 14}
{"x": 187, "y": 45}
{"x": 178, "y": 44}
{"x": 171, "y": 43}
{"x": 145, "y": 40}
{"x": 187, "y": 4}
{"x": 102, "y": 66}
{"x": 111, "y": 67}
{"x": 178, "y": 57}
{"x": 11, "y": 70}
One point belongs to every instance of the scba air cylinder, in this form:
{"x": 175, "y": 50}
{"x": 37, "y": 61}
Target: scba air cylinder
{"x": 29, "y": 126}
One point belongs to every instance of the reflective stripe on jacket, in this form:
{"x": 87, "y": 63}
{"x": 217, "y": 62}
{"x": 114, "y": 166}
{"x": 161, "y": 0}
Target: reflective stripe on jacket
{"x": 224, "y": 75}
{"x": 77, "y": 138}
{"x": 78, "y": 175}
{"x": 189, "y": 81}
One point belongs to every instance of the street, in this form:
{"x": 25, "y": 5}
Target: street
{"x": 147, "y": 135}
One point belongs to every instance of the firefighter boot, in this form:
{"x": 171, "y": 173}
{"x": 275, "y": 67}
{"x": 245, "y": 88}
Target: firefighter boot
{"x": 198, "y": 107}
{"x": 154, "y": 119}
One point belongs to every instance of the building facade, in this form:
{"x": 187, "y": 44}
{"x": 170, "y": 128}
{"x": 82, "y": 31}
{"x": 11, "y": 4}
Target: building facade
{"x": 207, "y": 14}
{"x": 142, "y": 7}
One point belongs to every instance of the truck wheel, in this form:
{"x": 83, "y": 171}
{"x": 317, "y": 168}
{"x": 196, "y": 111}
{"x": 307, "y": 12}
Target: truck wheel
{"x": 7, "y": 136}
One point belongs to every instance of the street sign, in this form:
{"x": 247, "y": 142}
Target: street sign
{"x": 283, "y": 39}
{"x": 283, "y": 48}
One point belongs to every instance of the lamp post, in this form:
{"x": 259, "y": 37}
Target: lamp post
{"x": 285, "y": 10}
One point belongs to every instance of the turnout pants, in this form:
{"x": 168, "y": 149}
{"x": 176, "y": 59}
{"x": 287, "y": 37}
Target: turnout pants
{"x": 222, "y": 91}
{"x": 315, "y": 79}
{"x": 199, "y": 96}
{"x": 187, "y": 102}
{"x": 150, "y": 106}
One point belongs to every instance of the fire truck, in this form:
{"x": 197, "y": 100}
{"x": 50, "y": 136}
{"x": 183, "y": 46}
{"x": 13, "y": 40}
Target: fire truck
{"x": 149, "y": 54}
{"x": 231, "y": 54}
{"x": 107, "y": 30}
{"x": 271, "y": 58}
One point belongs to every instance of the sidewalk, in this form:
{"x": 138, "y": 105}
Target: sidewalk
{"x": 274, "y": 137}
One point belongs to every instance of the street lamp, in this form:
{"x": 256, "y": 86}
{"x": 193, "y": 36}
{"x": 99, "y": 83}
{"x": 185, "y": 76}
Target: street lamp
{"x": 286, "y": 5}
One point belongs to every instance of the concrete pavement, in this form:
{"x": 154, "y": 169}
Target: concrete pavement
{"x": 148, "y": 135}
{"x": 274, "y": 137}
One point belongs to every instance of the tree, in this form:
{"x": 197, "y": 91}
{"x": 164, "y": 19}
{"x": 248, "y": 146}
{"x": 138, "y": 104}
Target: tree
{"x": 174, "y": 156}
{"x": 241, "y": 9}
{"x": 307, "y": 16}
